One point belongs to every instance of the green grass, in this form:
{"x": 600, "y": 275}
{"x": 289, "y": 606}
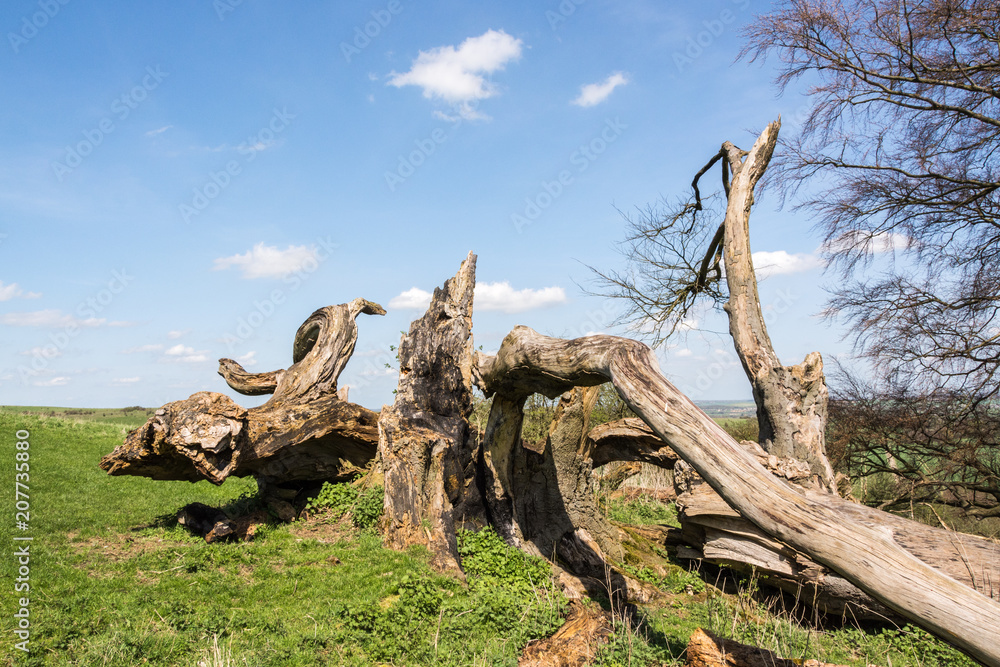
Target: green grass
{"x": 115, "y": 581}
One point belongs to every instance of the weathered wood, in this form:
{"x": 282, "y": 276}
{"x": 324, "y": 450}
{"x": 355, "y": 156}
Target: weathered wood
{"x": 865, "y": 555}
{"x": 425, "y": 443}
{"x": 628, "y": 439}
{"x": 791, "y": 400}
{"x": 716, "y": 532}
{"x": 574, "y": 644}
{"x": 707, "y": 650}
{"x": 305, "y": 432}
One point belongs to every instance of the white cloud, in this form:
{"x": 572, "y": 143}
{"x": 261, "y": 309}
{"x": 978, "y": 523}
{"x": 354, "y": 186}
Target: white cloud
{"x": 174, "y": 335}
{"x": 269, "y": 262}
{"x": 46, "y": 352}
{"x": 684, "y": 352}
{"x": 595, "y": 93}
{"x": 489, "y": 296}
{"x": 48, "y": 318}
{"x": 248, "y": 359}
{"x": 456, "y": 75}
{"x": 54, "y": 382}
{"x": 186, "y": 354}
{"x": 772, "y": 263}
{"x": 412, "y": 299}
{"x": 160, "y": 130}
{"x": 194, "y": 358}
{"x": 153, "y": 347}
{"x": 125, "y": 380}
{"x": 503, "y": 297}
{"x": 13, "y": 290}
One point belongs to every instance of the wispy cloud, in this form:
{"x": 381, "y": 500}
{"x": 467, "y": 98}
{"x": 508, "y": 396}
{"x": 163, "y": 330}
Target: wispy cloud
{"x": 778, "y": 262}
{"x": 152, "y": 347}
{"x": 13, "y": 291}
{"x": 268, "y": 262}
{"x": 503, "y": 297}
{"x": 595, "y": 93}
{"x": 126, "y": 381}
{"x": 457, "y": 75}
{"x": 412, "y": 299}
{"x": 53, "y": 382}
{"x": 186, "y": 354}
{"x": 47, "y": 352}
{"x": 49, "y": 319}
{"x": 874, "y": 243}
{"x": 159, "y": 130}
{"x": 489, "y": 296}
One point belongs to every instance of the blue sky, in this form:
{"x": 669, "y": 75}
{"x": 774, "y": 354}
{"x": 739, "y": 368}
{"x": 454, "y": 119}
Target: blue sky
{"x": 184, "y": 181}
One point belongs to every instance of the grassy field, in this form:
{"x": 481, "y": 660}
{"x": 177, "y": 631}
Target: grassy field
{"x": 115, "y": 581}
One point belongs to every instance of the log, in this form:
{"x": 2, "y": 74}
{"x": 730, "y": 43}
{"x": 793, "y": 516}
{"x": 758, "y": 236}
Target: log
{"x": 575, "y": 643}
{"x": 628, "y": 439}
{"x": 305, "y": 432}
{"x": 707, "y": 650}
{"x": 864, "y": 554}
{"x": 717, "y": 533}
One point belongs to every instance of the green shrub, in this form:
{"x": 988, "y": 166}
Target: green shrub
{"x": 365, "y": 506}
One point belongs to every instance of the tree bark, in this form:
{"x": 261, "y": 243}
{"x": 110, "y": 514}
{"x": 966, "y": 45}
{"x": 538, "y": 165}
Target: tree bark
{"x": 864, "y": 554}
{"x": 425, "y": 443}
{"x": 304, "y": 433}
{"x": 791, "y": 400}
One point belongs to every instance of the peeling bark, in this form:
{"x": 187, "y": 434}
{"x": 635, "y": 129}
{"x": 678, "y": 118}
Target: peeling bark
{"x": 425, "y": 442}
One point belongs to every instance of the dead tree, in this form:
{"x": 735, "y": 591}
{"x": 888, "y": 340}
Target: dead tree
{"x": 862, "y": 548}
{"x": 306, "y": 432}
{"x": 437, "y": 481}
{"x": 680, "y": 258}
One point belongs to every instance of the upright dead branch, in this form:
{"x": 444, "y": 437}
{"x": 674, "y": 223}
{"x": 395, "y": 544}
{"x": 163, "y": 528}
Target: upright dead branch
{"x": 791, "y": 400}
{"x": 425, "y": 443}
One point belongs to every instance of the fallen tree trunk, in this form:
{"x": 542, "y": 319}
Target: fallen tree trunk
{"x": 715, "y": 532}
{"x": 304, "y": 433}
{"x": 864, "y": 554}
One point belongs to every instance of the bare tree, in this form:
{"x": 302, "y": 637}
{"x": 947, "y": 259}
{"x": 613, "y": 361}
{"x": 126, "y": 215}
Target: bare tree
{"x": 900, "y": 150}
{"x": 684, "y": 254}
{"x": 931, "y": 448}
